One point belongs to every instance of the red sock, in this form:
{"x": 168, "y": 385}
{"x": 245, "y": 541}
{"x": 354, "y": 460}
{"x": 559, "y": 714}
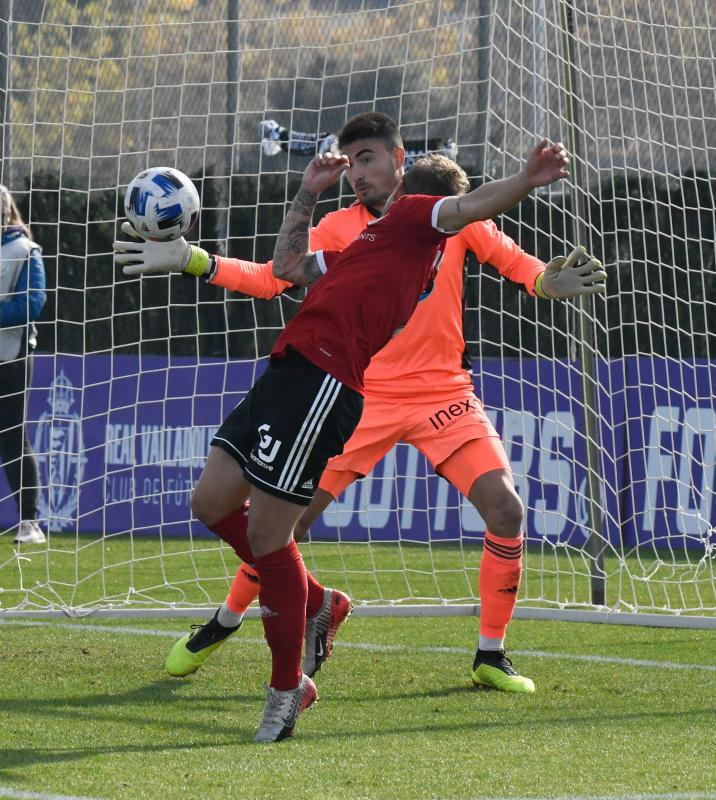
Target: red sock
{"x": 233, "y": 530}
{"x": 499, "y": 580}
{"x": 283, "y": 612}
{"x": 315, "y": 596}
{"x": 246, "y": 586}
{"x": 244, "y": 589}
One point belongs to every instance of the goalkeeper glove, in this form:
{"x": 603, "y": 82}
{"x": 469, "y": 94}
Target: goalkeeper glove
{"x": 144, "y": 257}
{"x": 576, "y": 274}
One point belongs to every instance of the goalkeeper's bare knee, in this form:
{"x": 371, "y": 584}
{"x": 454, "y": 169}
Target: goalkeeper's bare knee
{"x": 505, "y": 515}
{"x": 495, "y": 497}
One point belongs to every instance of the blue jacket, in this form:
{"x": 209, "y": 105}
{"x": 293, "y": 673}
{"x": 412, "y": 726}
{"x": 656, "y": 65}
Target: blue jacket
{"x": 27, "y": 298}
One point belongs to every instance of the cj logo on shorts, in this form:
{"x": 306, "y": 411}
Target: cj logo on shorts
{"x": 268, "y": 446}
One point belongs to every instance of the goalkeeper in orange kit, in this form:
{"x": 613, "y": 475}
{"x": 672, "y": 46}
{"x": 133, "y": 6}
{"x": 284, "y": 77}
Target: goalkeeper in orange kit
{"x": 409, "y": 384}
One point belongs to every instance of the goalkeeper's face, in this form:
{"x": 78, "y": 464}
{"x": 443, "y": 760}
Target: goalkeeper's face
{"x": 374, "y": 170}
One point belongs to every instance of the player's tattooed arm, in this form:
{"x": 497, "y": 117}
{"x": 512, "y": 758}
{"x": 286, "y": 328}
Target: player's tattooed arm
{"x": 311, "y": 270}
{"x": 292, "y": 260}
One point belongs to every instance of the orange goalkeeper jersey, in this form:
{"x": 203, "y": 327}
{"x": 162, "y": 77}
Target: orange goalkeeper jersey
{"x": 426, "y": 357}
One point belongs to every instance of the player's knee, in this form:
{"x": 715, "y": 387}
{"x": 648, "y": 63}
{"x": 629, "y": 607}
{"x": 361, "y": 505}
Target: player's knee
{"x": 505, "y": 515}
{"x": 202, "y": 508}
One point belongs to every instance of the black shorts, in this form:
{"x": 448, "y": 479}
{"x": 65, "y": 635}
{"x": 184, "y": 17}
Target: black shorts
{"x": 293, "y": 420}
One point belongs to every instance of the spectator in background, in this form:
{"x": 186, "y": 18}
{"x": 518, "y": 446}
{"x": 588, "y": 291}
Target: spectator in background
{"x": 22, "y": 296}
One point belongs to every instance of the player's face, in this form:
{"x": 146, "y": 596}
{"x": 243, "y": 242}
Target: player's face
{"x": 374, "y": 171}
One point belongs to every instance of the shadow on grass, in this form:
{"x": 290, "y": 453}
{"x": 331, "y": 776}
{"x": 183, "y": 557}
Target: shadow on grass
{"x": 161, "y": 694}
{"x": 162, "y": 691}
{"x": 14, "y": 760}
{"x": 222, "y": 709}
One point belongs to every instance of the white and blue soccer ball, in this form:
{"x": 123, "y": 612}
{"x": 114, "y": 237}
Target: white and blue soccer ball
{"x": 162, "y": 204}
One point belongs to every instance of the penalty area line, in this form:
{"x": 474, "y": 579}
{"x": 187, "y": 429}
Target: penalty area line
{"x": 373, "y": 647}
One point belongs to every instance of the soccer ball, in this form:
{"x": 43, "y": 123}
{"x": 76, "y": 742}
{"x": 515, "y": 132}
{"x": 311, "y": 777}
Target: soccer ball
{"x": 161, "y": 203}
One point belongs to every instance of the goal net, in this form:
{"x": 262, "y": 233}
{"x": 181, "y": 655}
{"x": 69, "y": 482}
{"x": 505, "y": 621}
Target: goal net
{"x": 606, "y": 408}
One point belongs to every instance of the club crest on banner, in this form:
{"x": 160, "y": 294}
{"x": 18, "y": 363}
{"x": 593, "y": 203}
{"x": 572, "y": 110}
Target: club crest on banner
{"x": 60, "y": 456}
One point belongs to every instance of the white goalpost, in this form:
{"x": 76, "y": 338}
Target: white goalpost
{"x": 606, "y": 407}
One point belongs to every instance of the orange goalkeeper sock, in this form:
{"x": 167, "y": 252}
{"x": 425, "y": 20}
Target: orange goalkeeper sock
{"x": 499, "y": 580}
{"x": 244, "y": 589}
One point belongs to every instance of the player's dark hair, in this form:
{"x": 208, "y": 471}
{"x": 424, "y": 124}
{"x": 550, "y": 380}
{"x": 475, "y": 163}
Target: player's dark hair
{"x": 370, "y": 125}
{"x": 436, "y": 174}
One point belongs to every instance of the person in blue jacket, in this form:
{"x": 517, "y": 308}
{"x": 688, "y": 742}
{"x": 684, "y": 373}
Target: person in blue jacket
{"x": 22, "y": 296}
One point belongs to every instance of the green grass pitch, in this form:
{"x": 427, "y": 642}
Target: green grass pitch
{"x": 87, "y": 711}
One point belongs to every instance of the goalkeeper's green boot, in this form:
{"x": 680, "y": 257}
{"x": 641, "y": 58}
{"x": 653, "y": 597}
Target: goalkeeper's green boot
{"x": 192, "y": 650}
{"x": 493, "y": 669}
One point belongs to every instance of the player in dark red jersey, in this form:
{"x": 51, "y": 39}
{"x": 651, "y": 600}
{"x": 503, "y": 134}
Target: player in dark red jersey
{"x": 275, "y": 444}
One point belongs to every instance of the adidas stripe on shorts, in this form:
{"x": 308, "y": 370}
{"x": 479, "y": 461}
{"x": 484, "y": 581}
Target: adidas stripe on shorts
{"x": 292, "y": 421}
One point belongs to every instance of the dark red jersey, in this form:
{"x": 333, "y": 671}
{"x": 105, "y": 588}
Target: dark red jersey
{"x": 369, "y": 290}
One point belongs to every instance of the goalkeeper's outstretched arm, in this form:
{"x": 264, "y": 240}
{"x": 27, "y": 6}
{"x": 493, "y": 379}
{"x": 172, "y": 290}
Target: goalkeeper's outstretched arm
{"x": 560, "y": 279}
{"x": 571, "y": 276}
{"x": 138, "y": 256}
{"x": 296, "y": 265}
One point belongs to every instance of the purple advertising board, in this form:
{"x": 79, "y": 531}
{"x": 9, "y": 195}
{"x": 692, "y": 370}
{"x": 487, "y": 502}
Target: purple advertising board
{"x": 121, "y": 441}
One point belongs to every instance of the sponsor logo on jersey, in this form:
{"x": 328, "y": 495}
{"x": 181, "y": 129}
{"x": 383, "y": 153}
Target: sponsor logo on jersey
{"x": 446, "y": 416}
{"x": 367, "y": 236}
{"x": 308, "y": 484}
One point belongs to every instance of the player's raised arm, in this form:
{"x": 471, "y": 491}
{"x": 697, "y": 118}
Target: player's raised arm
{"x": 546, "y": 164}
{"x": 292, "y": 259}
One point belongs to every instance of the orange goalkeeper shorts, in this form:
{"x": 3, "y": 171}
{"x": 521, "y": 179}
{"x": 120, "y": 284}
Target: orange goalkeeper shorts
{"x": 455, "y": 436}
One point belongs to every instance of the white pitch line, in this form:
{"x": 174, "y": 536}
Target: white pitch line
{"x": 7, "y": 791}
{"x": 646, "y": 796}
{"x": 17, "y": 794}
{"x": 382, "y": 648}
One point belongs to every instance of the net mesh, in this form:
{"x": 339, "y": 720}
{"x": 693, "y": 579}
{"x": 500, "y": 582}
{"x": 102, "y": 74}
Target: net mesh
{"x": 132, "y": 376}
